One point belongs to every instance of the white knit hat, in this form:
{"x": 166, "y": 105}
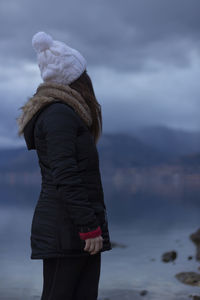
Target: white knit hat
{"x": 57, "y": 62}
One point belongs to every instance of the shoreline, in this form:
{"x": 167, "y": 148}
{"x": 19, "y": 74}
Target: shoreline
{"x": 108, "y": 294}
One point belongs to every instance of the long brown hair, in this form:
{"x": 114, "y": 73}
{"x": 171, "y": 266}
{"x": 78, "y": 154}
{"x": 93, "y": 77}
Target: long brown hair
{"x": 84, "y": 86}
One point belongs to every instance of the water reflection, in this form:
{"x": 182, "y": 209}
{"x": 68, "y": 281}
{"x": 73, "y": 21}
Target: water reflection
{"x": 156, "y": 226}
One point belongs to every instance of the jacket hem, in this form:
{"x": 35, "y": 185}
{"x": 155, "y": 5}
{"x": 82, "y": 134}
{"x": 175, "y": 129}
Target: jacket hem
{"x": 51, "y": 255}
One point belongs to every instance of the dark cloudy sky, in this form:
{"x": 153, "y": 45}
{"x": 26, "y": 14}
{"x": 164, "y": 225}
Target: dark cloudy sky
{"x": 143, "y": 57}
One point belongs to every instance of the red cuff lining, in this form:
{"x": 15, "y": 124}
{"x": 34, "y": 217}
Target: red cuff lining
{"x": 90, "y": 234}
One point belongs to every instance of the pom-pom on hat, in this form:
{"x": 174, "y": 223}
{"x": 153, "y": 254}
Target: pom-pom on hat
{"x": 57, "y": 61}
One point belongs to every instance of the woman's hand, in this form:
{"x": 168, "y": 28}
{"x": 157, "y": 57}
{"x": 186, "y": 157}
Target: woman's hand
{"x": 93, "y": 245}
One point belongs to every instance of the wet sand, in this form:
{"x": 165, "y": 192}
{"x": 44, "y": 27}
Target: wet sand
{"x": 114, "y": 294}
{"x": 119, "y": 294}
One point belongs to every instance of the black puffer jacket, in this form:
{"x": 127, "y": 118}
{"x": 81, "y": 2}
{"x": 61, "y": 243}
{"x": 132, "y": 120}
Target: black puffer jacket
{"x": 71, "y": 198}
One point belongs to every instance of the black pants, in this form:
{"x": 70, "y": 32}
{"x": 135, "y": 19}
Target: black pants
{"x": 71, "y": 278}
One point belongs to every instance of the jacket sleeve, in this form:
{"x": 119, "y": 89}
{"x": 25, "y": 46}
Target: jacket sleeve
{"x": 60, "y": 127}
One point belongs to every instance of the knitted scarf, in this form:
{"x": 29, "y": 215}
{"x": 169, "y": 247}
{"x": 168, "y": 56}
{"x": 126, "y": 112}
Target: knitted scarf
{"x": 48, "y": 92}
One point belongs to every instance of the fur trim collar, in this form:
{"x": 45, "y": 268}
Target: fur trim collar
{"x": 48, "y": 92}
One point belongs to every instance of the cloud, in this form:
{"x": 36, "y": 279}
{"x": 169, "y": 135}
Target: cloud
{"x": 166, "y": 95}
{"x": 143, "y": 56}
{"x": 117, "y": 34}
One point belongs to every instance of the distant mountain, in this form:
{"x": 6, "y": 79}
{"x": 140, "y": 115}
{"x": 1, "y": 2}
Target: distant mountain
{"x": 174, "y": 142}
{"x": 120, "y": 150}
{"x": 190, "y": 161}
{"x": 138, "y": 170}
{"x": 144, "y": 147}
{"x": 18, "y": 159}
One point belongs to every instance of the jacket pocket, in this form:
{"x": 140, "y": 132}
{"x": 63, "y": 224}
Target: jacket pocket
{"x": 69, "y": 238}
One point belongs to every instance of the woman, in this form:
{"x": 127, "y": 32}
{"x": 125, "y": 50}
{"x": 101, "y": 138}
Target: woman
{"x": 63, "y": 122}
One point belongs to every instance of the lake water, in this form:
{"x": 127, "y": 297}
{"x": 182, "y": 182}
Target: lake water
{"x": 125, "y": 268}
{"x": 130, "y": 268}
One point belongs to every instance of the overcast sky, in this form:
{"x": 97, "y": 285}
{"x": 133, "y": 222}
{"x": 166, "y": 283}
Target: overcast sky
{"x": 143, "y": 57}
